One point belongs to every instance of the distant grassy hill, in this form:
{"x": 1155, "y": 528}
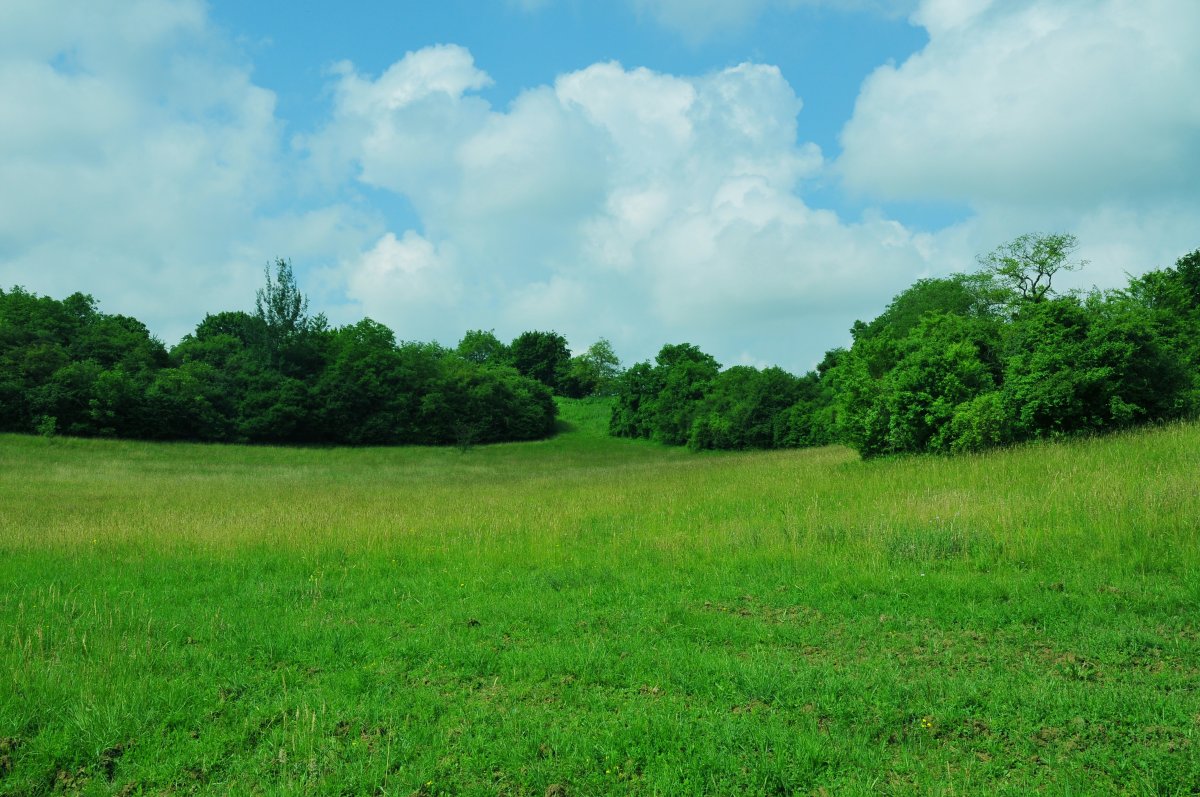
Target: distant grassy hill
{"x": 588, "y": 615}
{"x": 586, "y": 417}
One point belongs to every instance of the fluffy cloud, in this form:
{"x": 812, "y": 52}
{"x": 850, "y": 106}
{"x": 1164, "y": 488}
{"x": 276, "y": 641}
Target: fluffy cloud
{"x": 628, "y": 203}
{"x": 1076, "y": 115}
{"x": 146, "y": 167}
{"x": 142, "y": 164}
{"x": 137, "y": 156}
{"x": 1067, "y": 101}
{"x": 406, "y": 278}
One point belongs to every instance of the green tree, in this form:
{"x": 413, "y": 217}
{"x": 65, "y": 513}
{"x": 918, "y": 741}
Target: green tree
{"x": 686, "y": 375}
{"x": 741, "y": 408}
{"x": 469, "y": 404}
{"x": 604, "y": 366}
{"x": 482, "y": 347}
{"x": 246, "y": 329}
{"x": 812, "y": 420}
{"x": 364, "y": 393}
{"x": 1087, "y": 367}
{"x": 906, "y": 403}
{"x": 541, "y": 356}
{"x": 279, "y": 304}
{"x": 958, "y": 294}
{"x": 593, "y": 373}
{"x": 286, "y": 327}
{"x": 945, "y": 364}
{"x": 117, "y": 406}
{"x": 636, "y": 389}
{"x": 1171, "y": 298}
{"x": 189, "y": 403}
{"x": 1026, "y": 265}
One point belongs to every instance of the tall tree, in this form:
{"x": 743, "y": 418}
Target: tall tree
{"x": 283, "y": 311}
{"x": 1027, "y": 264}
{"x": 482, "y": 347}
{"x": 279, "y": 304}
{"x": 541, "y": 356}
{"x": 593, "y": 373}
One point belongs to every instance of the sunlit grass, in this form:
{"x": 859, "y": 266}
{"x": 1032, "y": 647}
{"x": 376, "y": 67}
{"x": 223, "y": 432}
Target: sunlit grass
{"x": 600, "y": 616}
{"x": 1129, "y": 501}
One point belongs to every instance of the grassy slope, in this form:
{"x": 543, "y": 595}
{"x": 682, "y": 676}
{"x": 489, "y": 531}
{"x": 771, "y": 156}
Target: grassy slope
{"x": 604, "y": 615}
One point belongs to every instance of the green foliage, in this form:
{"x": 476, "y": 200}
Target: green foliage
{"x": 960, "y": 363}
{"x": 957, "y": 294}
{"x": 543, "y": 356}
{"x": 1171, "y": 300}
{"x": 47, "y": 426}
{"x": 67, "y": 360}
{"x": 369, "y": 391}
{"x": 593, "y": 373}
{"x": 118, "y": 405}
{"x": 983, "y": 422}
{"x": 1006, "y": 360}
{"x": 636, "y": 388}
{"x": 275, "y": 376}
{"x": 280, "y": 307}
{"x": 1026, "y": 265}
{"x": 483, "y": 348}
{"x": 741, "y": 408}
{"x": 686, "y": 374}
{"x": 188, "y": 403}
{"x": 662, "y": 401}
{"x": 685, "y": 399}
{"x": 954, "y": 364}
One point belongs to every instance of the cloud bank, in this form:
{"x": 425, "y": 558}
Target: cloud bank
{"x": 619, "y": 202}
{"x": 139, "y": 159}
{"x": 1077, "y": 114}
{"x": 143, "y": 164}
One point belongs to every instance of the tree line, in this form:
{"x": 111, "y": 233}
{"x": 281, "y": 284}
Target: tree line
{"x": 277, "y": 375}
{"x": 961, "y": 363}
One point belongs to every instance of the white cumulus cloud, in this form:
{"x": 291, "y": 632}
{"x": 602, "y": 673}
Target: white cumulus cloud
{"x": 1065, "y": 101}
{"x": 143, "y": 164}
{"x": 1072, "y": 115}
{"x": 405, "y": 277}
{"x": 627, "y": 203}
{"x": 137, "y": 156}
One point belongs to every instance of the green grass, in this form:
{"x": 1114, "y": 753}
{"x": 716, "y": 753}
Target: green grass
{"x": 594, "y": 616}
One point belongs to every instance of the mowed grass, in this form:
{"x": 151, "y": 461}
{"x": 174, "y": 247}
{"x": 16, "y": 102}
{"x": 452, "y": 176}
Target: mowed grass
{"x": 594, "y": 616}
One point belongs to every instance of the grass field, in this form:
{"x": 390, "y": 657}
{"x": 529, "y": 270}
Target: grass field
{"x": 594, "y": 616}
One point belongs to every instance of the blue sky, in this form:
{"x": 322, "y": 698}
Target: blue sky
{"x": 823, "y": 53}
{"x": 747, "y": 175}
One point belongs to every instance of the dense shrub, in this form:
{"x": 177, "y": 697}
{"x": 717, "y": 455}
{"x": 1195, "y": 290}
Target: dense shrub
{"x": 1019, "y": 362}
{"x": 276, "y": 376}
{"x": 962, "y": 363}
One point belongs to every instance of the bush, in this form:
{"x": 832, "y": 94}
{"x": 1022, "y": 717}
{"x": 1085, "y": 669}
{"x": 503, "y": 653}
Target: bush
{"x": 983, "y": 422}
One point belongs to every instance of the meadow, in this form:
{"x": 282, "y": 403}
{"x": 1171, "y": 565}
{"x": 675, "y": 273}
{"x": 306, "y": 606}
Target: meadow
{"x": 585, "y": 615}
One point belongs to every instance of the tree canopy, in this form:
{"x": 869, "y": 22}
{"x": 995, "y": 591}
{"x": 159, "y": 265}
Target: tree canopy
{"x": 960, "y": 363}
{"x": 275, "y": 375}
{"x": 952, "y": 364}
